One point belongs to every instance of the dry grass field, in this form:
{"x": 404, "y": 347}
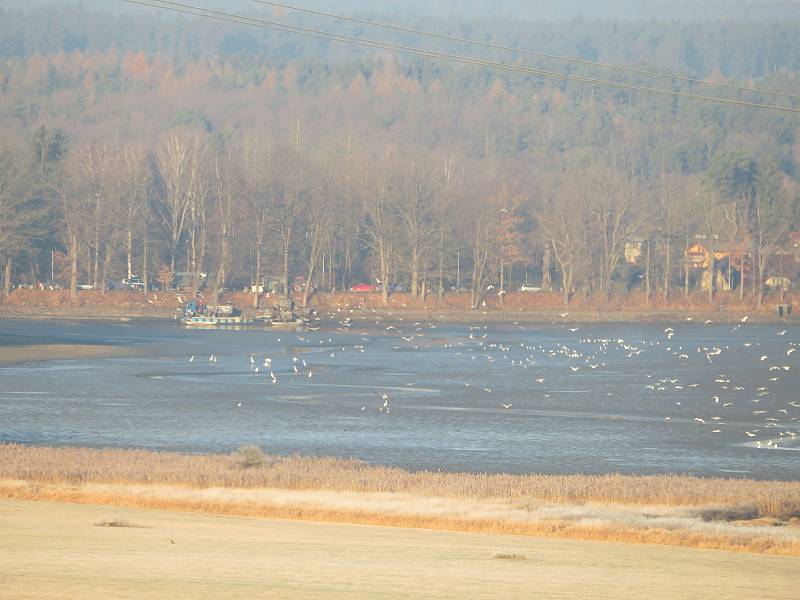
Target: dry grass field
{"x": 741, "y": 515}
{"x": 52, "y": 551}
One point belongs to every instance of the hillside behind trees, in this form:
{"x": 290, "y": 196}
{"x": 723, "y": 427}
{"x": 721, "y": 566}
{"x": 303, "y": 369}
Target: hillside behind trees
{"x": 136, "y": 142}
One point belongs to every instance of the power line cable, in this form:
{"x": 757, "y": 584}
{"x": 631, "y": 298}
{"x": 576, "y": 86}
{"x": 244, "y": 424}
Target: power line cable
{"x": 581, "y": 61}
{"x": 263, "y": 23}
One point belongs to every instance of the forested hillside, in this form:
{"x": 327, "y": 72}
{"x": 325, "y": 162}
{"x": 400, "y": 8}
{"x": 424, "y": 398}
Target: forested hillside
{"x": 136, "y": 142}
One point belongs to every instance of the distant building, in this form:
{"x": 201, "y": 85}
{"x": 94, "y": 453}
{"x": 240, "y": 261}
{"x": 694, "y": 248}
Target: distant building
{"x": 634, "y": 249}
{"x": 778, "y": 283}
{"x": 728, "y": 266}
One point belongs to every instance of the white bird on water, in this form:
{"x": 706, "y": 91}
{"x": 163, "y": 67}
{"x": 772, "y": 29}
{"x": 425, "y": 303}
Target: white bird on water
{"x": 506, "y": 405}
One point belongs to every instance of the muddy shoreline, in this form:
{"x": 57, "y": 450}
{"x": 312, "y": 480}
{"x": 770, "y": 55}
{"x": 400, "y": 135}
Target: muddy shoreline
{"x": 454, "y": 307}
{"x": 18, "y": 354}
{"x": 443, "y": 315}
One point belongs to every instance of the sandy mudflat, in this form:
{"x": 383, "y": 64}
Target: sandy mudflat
{"x": 55, "y": 550}
{"x": 42, "y": 352}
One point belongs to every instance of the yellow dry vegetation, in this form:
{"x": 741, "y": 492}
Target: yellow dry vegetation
{"x": 733, "y": 514}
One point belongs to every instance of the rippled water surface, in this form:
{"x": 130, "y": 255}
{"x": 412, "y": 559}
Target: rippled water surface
{"x": 681, "y": 397}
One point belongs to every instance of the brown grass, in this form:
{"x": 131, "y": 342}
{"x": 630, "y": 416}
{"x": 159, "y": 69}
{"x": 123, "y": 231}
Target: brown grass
{"x": 553, "y": 302}
{"x": 778, "y": 499}
{"x": 542, "y": 306}
{"x": 730, "y": 514}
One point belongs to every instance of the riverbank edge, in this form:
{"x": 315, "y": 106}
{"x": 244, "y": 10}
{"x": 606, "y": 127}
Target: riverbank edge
{"x": 443, "y": 315}
{"x": 34, "y": 353}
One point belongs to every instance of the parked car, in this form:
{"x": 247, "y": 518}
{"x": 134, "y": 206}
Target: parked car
{"x": 134, "y": 283}
{"x": 85, "y": 286}
{"x": 530, "y": 288}
{"x": 363, "y": 288}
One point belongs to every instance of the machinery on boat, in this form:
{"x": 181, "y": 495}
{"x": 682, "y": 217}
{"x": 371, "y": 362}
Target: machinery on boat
{"x": 196, "y": 313}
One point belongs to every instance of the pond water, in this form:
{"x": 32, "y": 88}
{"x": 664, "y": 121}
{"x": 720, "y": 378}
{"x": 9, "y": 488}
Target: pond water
{"x": 683, "y": 397}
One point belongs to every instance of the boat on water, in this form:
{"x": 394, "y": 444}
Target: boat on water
{"x": 196, "y": 313}
{"x": 213, "y": 321}
{"x": 293, "y": 324}
{"x": 281, "y": 316}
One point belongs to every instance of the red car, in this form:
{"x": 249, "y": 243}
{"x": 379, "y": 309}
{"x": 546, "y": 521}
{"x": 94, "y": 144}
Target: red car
{"x": 364, "y": 288}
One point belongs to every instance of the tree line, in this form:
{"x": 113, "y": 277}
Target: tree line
{"x": 252, "y": 208}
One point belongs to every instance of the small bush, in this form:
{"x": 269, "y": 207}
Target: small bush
{"x": 252, "y": 457}
{"x": 117, "y": 523}
{"x": 733, "y": 513}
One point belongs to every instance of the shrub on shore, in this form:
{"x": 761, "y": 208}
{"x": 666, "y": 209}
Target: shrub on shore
{"x": 252, "y": 457}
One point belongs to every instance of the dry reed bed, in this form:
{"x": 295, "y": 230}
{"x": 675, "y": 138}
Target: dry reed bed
{"x": 668, "y": 509}
{"x": 708, "y": 536}
{"x": 776, "y": 499}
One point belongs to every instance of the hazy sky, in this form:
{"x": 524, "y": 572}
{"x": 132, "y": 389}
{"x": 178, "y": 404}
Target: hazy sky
{"x": 526, "y": 9}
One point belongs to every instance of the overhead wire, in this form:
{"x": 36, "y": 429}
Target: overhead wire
{"x": 309, "y": 32}
{"x": 529, "y": 52}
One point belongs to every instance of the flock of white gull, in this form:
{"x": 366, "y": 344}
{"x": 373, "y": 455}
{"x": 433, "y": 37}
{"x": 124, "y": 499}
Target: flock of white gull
{"x": 773, "y": 427}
